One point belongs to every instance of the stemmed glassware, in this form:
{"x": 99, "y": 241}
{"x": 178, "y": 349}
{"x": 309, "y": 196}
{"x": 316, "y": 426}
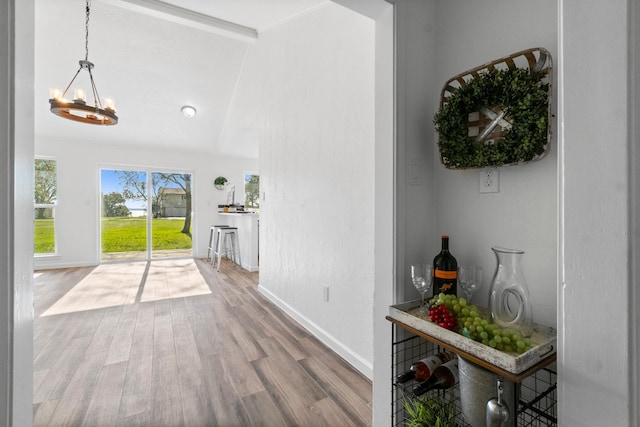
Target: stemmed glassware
{"x": 469, "y": 279}
{"x": 421, "y": 276}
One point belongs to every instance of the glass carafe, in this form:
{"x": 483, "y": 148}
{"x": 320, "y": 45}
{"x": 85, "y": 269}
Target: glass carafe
{"x": 509, "y": 299}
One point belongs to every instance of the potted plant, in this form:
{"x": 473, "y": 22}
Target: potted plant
{"x": 219, "y": 182}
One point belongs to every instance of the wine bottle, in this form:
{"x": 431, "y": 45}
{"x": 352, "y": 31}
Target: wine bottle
{"x": 445, "y": 376}
{"x": 445, "y": 271}
{"x": 422, "y": 369}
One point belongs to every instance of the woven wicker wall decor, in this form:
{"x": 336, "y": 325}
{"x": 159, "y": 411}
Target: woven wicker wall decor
{"x": 497, "y": 114}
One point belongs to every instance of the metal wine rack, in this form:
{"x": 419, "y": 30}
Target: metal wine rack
{"x": 537, "y": 406}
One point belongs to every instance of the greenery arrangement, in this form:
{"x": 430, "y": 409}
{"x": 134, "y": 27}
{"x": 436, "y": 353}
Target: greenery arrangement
{"x": 521, "y": 94}
{"x": 220, "y": 181}
{"x": 429, "y": 411}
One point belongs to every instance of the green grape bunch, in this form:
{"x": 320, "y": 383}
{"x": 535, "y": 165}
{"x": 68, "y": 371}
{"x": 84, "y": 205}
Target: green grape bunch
{"x": 474, "y": 325}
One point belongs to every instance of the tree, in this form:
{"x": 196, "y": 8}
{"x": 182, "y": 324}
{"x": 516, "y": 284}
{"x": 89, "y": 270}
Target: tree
{"x": 114, "y": 205}
{"x": 182, "y": 180}
{"x": 135, "y": 188}
{"x": 134, "y": 184}
{"x": 45, "y": 185}
{"x": 45, "y": 181}
{"x": 252, "y": 191}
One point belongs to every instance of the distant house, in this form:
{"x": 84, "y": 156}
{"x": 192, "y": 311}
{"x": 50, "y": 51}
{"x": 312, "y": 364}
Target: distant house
{"x": 172, "y": 202}
{"x": 138, "y": 211}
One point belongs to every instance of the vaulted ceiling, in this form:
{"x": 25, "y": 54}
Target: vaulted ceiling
{"x": 151, "y": 58}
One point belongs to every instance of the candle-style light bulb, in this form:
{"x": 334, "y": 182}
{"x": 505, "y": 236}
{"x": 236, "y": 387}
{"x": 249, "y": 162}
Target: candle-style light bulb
{"x": 79, "y": 96}
{"x": 110, "y": 105}
{"x": 54, "y": 93}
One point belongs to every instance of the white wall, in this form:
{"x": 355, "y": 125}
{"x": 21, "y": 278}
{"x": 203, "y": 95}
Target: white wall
{"x": 523, "y": 215}
{"x": 416, "y": 88}
{"x": 598, "y": 384}
{"x": 574, "y": 224}
{"x": 447, "y": 38}
{"x": 634, "y": 192}
{"x": 78, "y": 205}
{"x": 307, "y": 92}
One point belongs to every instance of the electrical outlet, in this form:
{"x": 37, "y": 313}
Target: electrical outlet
{"x": 490, "y": 180}
{"x": 414, "y": 172}
{"x": 325, "y": 293}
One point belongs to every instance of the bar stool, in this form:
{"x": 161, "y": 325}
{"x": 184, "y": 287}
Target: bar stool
{"x": 227, "y": 244}
{"x": 213, "y": 240}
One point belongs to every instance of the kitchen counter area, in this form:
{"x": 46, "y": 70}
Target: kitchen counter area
{"x": 248, "y": 224}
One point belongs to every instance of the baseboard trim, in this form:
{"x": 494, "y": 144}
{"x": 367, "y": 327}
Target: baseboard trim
{"x": 363, "y": 366}
{"x": 53, "y": 265}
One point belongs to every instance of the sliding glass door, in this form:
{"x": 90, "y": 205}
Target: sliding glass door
{"x": 171, "y": 223}
{"x": 145, "y": 215}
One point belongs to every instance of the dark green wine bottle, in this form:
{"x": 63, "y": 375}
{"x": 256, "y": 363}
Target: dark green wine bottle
{"x": 445, "y": 271}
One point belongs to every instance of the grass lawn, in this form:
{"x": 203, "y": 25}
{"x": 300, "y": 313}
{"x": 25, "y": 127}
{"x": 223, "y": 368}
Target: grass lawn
{"x": 122, "y": 234}
{"x": 43, "y": 236}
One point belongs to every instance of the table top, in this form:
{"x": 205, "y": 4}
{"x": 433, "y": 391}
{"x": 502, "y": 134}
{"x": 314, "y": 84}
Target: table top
{"x": 239, "y": 213}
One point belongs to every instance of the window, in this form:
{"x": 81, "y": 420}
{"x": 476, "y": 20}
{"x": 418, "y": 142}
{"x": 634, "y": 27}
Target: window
{"x": 45, "y": 193}
{"x": 251, "y": 191}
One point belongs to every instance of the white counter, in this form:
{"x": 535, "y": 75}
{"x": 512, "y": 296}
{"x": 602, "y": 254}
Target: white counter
{"x": 248, "y": 231}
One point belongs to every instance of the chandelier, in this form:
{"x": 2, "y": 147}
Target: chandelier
{"x": 78, "y": 109}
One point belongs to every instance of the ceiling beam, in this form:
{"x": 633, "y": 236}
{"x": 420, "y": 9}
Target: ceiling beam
{"x": 369, "y": 8}
{"x": 188, "y": 18}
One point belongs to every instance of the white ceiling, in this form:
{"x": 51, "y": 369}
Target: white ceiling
{"x": 257, "y": 14}
{"x": 152, "y": 58}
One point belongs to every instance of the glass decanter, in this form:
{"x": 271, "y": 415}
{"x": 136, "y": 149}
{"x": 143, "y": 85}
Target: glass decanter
{"x": 509, "y": 299}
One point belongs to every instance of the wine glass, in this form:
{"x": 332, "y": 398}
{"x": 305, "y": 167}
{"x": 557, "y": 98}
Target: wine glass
{"x": 470, "y": 279}
{"x": 421, "y": 277}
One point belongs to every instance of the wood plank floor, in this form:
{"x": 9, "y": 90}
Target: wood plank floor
{"x": 226, "y": 357}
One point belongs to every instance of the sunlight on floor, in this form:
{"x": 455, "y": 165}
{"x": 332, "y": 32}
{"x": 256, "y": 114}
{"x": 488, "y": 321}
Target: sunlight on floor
{"x": 118, "y": 284}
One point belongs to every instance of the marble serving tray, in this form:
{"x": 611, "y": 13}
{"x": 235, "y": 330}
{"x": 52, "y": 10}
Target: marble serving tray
{"x": 543, "y": 340}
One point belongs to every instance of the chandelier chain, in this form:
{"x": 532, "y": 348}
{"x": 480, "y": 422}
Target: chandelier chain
{"x": 86, "y": 34}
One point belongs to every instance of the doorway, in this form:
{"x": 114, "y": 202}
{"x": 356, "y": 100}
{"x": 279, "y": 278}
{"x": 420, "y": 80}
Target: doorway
{"x": 145, "y": 214}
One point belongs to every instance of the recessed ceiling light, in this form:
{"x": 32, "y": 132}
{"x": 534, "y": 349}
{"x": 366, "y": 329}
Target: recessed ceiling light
{"x": 188, "y": 110}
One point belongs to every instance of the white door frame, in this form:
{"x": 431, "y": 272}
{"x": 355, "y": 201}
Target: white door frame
{"x": 16, "y": 211}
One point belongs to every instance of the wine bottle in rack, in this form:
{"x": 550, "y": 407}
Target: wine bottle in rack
{"x": 422, "y": 369}
{"x": 445, "y": 376}
{"x": 445, "y": 271}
